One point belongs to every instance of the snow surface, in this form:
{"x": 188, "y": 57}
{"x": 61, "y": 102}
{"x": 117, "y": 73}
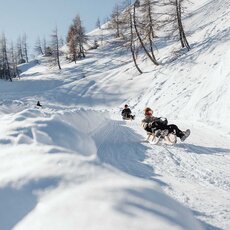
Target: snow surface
{"x": 74, "y": 164}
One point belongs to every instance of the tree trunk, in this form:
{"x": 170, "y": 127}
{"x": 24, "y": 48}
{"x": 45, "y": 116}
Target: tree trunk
{"x": 139, "y": 37}
{"x": 183, "y": 39}
{"x": 151, "y": 34}
{"x": 132, "y": 47}
{"x": 58, "y": 56}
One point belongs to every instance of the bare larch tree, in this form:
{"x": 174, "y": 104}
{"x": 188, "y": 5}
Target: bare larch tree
{"x": 25, "y": 47}
{"x": 38, "y": 47}
{"x": 55, "y": 48}
{"x": 138, "y": 27}
{"x": 76, "y": 38}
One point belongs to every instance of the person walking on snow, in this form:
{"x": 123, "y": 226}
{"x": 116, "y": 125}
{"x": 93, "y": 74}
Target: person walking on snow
{"x": 39, "y": 104}
{"x": 158, "y": 125}
{"x": 126, "y": 113}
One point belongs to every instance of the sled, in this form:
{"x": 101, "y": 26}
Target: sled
{"x": 129, "y": 118}
{"x": 169, "y": 139}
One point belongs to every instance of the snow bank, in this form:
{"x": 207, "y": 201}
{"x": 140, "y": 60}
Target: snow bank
{"x": 53, "y": 179}
{"x": 108, "y": 202}
{"x": 68, "y": 130}
{"x": 61, "y": 165}
{"x": 25, "y": 66}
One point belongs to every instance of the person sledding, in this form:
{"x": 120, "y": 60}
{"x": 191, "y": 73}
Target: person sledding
{"x": 127, "y": 113}
{"x": 159, "y": 126}
{"x": 39, "y": 104}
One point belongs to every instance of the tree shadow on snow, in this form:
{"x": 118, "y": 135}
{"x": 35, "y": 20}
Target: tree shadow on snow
{"x": 150, "y": 201}
{"x": 206, "y": 225}
{"x": 16, "y": 203}
{"x": 191, "y": 148}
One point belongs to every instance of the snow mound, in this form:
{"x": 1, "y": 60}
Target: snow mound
{"x": 56, "y": 180}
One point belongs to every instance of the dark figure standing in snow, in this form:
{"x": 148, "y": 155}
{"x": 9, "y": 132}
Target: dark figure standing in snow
{"x": 158, "y": 124}
{"x": 126, "y": 113}
{"x": 38, "y": 104}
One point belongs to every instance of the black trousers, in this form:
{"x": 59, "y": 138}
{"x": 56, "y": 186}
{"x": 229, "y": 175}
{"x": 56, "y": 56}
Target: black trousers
{"x": 174, "y": 129}
{"x": 171, "y": 128}
{"x": 128, "y": 116}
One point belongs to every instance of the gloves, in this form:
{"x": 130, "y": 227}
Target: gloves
{"x": 147, "y": 125}
{"x": 150, "y": 124}
{"x": 163, "y": 120}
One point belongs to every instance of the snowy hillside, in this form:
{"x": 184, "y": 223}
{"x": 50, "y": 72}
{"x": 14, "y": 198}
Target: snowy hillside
{"x": 75, "y": 164}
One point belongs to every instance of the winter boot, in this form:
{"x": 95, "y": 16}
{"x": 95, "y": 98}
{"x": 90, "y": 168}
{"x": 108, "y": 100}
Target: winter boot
{"x": 186, "y": 134}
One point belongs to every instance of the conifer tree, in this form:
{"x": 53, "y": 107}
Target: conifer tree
{"x": 25, "y": 47}
{"x": 175, "y": 10}
{"x": 130, "y": 37}
{"x": 55, "y": 48}
{"x": 137, "y": 27}
{"x": 98, "y": 23}
{"x": 71, "y": 42}
{"x": 20, "y": 55}
{"x": 76, "y": 38}
{"x": 5, "y": 72}
{"x": 116, "y": 21}
{"x": 38, "y": 47}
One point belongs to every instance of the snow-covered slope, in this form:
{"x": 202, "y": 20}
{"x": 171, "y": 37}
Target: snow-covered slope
{"x": 53, "y": 177}
{"x": 73, "y": 164}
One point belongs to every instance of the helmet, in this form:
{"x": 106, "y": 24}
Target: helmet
{"x": 126, "y": 106}
{"x": 148, "y": 111}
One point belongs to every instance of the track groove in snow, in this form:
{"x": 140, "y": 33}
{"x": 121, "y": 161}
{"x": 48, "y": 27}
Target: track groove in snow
{"x": 118, "y": 146}
{"x": 60, "y": 156}
{"x": 197, "y": 176}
